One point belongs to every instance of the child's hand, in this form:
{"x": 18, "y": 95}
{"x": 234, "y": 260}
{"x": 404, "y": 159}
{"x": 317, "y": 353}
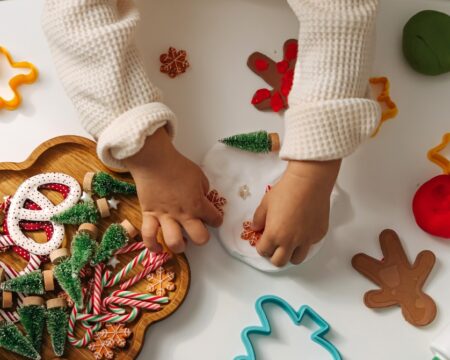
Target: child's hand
{"x": 172, "y": 192}
{"x": 295, "y": 213}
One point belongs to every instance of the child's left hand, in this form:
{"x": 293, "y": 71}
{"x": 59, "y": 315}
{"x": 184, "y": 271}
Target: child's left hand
{"x": 295, "y": 213}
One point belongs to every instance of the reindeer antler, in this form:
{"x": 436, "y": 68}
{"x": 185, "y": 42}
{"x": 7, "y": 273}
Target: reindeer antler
{"x": 400, "y": 282}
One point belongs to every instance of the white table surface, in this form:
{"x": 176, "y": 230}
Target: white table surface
{"x": 212, "y": 100}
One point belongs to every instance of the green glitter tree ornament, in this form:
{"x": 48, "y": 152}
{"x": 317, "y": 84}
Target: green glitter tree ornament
{"x": 114, "y": 238}
{"x": 257, "y": 142}
{"x": 83, "y": 248}
{"x": 32, "y": 317}
{"x": 13, "y": 340}
{"x": 29, "y": 284}
{"x": 83, "y": 212}
{"x": 104, "y": 185}
{"x": 69, "y": 283}
{"x": 57, "y": 327}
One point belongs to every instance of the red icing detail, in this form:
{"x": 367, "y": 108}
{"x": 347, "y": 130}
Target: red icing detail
{"x": 431, "y": 206}
{"x": 261, "y": 64}
{"x": 287, "y": 82}
{"x": 260, "y": 96}
{"x": 291, "y": 51}
{"x": 277, "y": 102}
{"x": 283, "y": 66}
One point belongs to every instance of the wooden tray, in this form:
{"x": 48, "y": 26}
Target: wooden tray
{"x": 75, "y": 156}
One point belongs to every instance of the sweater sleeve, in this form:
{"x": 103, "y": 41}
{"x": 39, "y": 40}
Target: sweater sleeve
{"x": 92, "y": 43}
{"x": 329, "y": 114}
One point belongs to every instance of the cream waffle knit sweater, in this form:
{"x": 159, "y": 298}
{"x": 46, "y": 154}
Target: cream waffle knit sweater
{"x": 92, "y": 42}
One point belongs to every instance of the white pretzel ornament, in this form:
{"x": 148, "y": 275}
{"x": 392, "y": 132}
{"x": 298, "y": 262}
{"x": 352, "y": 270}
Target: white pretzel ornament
{"x": 30, "y": 190}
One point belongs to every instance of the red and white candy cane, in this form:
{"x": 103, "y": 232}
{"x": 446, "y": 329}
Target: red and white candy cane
{"x": 139, "y": 259}
{"x": 130, "y": 302}
{"x": 153, "y": 262}
{"x": 112, "y": 306}
{"x": 98, "y": 289}
{"x": 91, "y": 329}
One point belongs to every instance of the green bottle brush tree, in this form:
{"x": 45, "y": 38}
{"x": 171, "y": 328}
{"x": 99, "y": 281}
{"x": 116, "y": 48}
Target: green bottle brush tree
{"x": 13, "y": 340}
{"x": 69, "y": 283}
{"x": 57, "y": 327}
{"x": 29, "y": 284}
{"x": 32, "y": 317}
{"x": 104, "y": 185}
{"x": 83, "y": 212}
{"x": 114, "y": 238}
{"x": 257, "y": 142}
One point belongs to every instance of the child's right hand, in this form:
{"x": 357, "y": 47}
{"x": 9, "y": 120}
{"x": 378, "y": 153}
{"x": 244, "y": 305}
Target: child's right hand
{"x": 172, "y": 192}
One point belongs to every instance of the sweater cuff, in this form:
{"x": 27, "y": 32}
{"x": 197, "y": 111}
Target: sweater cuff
{"x": 126, "y": 135}
{"x": 328, "y": 130}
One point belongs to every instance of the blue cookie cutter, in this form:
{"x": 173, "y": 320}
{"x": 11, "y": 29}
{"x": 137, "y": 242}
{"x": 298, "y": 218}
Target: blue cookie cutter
{"x": 296, "y": 317}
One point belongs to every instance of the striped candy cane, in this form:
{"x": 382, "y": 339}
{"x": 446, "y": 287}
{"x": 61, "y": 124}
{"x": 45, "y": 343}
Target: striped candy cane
{"x": 90, "y": 329}
{"x": 98, "y": 289}
{"x": 132, "y": 303}
{"x": 109, "y": 318}
{"x": 128, "y": 268}
{"x": 140, "y": 296}
{"x": 130, "y": 248}
{"x": 155, "y": 261}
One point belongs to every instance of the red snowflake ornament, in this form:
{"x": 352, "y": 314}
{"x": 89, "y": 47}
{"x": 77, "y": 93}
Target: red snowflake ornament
{"x": 218, "y": 201}
{"x": 174, "y": 62}
{"x": 250, "y": 235}
{"x": 280, "y": 76}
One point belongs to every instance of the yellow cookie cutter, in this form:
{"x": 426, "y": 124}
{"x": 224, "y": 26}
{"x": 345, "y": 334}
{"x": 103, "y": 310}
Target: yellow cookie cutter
{"x": 17, "y": 80}
{"x": 436, "y": 157}
{"x": 384, "y": 98}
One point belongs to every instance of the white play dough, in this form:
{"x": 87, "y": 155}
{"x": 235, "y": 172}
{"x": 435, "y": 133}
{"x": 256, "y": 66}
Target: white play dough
{"x": 228, "y": 169}
{"x": 29, "y": 190}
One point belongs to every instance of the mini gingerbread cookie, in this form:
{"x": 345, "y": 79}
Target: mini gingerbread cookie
{"x": 400, "y": 281}
{"x": 218, "y": 201}
{"x": 174, "y": 62}
{"x": 280, "y": 76}
{"x": 161, "y": 281}
{"x": 250, "y": 235}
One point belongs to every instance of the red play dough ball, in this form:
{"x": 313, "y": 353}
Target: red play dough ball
{"x": 431, "y": 206}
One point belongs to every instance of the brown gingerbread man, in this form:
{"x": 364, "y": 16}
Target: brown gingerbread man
{"x": 400, "y": 281}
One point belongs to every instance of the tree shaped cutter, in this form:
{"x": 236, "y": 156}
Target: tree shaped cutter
{"x": 400, "y": 281}
{"x": 280, "y": 76}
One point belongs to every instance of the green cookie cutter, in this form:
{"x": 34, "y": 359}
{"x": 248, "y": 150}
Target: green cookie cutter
{"x": 296, "y": 316}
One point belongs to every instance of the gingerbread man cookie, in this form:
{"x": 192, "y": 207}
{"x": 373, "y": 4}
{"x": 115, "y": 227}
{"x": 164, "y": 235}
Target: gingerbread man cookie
{"x": 400, "y": 281}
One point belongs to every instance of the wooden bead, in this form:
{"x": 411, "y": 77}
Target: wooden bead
{"x": 89, "y": 228}
{"x": 56, "y": 256}
{"x": 49, "y": 281}
{"x": 56, "y": 303}
{"x": 275, "y": 141}
{"x": 87, "y": 181}
{"x": 7, "y": 300}
{"x": 33, "y": 300}
{"x": 103, "y": 208}
{"x": 130, "y": 229}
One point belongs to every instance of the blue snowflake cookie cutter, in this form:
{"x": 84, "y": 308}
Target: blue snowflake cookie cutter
{"x": 296, "y": 316}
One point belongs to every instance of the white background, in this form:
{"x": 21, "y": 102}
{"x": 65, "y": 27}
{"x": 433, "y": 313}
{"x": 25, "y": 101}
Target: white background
{"x": 212, "y": 100}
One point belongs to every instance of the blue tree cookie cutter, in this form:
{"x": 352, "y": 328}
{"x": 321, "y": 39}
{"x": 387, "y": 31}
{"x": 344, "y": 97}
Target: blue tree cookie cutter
{"x": 296, "y": 316}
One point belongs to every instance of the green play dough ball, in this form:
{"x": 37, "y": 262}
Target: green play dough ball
{"x": 426, "y": 42}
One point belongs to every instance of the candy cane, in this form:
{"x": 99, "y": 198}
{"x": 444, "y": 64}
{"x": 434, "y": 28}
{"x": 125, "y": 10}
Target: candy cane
{"x": 98, "y": 289}
{"x": 154, "y": 262}
{"x": 90, "y": 329}
{"x": 130, "y": 248}
{"x": 132, "y": 303}
{"x": 109, "y": 318}
{"x": 128, "y": 268}
{"x": 139, "y": 296}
